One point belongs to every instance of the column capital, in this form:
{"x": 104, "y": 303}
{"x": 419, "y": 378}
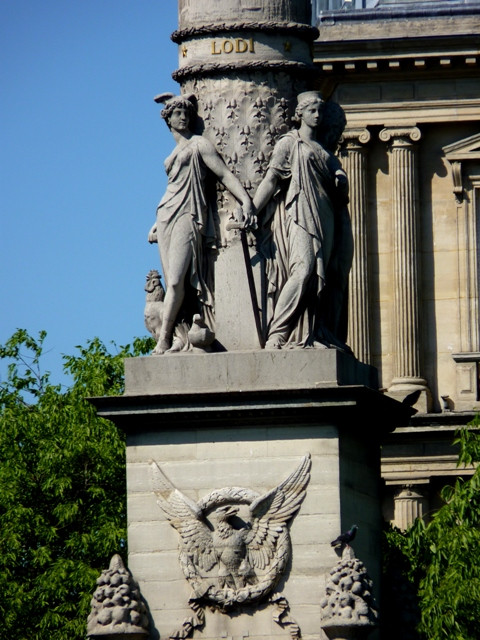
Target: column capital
{"x": 354, "y": 138}
{"x": 400, "y": 136}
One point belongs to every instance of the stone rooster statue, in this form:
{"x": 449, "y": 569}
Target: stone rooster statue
{"x": 154, "y": 303}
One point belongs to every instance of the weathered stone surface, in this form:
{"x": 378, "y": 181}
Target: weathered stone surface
{"x": 302, "y": 201}
{"x": 191, "y": 14}
{"x": 212, "y": 437}
{"x": 332, "y": 500}
{"x": 245, "y": 371}
{"x": 245, "y": 62}
{"x": 219, "y": 434}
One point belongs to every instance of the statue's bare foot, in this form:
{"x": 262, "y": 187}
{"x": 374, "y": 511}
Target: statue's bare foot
{"x": 274, "y": 343}
{"x": 162, "y": 345}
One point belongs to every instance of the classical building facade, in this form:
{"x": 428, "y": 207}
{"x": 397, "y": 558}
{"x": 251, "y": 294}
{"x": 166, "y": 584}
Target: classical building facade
{"x": 407, "y": 75}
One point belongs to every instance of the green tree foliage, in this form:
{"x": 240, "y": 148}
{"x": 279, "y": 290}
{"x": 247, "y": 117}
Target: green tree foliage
{"x": 437, "y": 563}
{"x": 62, "y": 487}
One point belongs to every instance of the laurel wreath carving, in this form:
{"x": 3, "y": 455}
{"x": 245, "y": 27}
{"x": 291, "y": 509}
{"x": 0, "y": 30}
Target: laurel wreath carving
{"x": 302, "y": 30}
{"x": 215, "y": 68}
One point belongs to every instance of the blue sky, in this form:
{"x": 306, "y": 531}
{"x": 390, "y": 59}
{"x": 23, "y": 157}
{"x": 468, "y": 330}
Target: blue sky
{"x": 81, "y": 165}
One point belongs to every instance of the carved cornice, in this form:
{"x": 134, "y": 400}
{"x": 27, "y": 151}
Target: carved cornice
{"x": 304, "y": 31}
{"x": 288, "y": 66}
{"x": 405, "y": 135}
{"x": 465, "y": 149}
{"x": 238, "y": 409}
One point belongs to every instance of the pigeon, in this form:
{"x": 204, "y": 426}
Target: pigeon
{"x": 345, "y": 538}
{"x": 412, "y": 398}
{"x": 200, "y": 335}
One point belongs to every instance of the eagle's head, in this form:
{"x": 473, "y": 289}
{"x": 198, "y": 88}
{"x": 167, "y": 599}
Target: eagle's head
{"x": 226, "y": 512}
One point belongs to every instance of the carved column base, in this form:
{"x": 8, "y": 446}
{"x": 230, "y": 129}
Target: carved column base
{"x": 402, "y": 389}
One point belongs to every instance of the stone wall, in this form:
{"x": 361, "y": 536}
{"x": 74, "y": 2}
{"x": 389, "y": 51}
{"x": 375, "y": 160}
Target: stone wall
{"x": 343, "y": 490}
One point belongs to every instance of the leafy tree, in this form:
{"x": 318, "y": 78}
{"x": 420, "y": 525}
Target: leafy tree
{"x": 62, "y": 487}
{"x": 438, "y": 561}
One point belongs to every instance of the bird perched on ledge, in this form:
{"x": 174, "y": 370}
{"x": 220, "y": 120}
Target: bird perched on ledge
{"x": 345, "y": 538}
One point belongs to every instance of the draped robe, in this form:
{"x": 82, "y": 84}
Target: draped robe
{"x": 184, "y": 216}
{"x": 306, "y": 220}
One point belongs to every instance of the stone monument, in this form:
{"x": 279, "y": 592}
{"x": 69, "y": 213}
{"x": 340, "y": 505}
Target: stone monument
{"x": 252, "y": 430}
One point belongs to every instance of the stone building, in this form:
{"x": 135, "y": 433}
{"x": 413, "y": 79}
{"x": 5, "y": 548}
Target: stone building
{"x": 407, "y": 75}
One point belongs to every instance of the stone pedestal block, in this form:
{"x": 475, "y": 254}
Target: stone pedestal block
{"x": 187, "y": 373}
{"x": 247, "y": 420}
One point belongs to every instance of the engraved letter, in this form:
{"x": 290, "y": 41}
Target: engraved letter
{"x": 214, "y": 49}
{"x": 252, "y": 46}
{"x": 241, "y": 45}
{"x": 227, "y": 46}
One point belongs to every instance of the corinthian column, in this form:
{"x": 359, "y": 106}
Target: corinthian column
{"x": 403, "y": 166}
{"x": 353, "y": 154}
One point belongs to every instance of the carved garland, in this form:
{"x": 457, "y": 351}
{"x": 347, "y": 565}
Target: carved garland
{"x": 297, "y": 28}
{"x": 197, "y": 621}
{"x": 289, "y": 66}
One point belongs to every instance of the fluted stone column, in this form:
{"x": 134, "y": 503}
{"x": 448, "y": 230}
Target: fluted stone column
{"x": 354, "y": 159}
{"x": 405, "y": 212}
{"x": 409, "y": 505}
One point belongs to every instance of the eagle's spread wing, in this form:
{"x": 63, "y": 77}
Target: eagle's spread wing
{"x": 187, "y": 518}
{"x": 271, "y": 513}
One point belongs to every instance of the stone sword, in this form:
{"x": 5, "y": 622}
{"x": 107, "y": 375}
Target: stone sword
{"x": 233, "y": 224}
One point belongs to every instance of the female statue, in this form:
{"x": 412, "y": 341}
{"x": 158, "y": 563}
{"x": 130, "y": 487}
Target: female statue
{"x": 305, "y": 192}
{"x": 185, "y": 227}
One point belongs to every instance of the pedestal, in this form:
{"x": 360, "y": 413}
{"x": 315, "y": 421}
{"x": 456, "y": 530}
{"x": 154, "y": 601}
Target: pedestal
{"x": 247, "y": 419}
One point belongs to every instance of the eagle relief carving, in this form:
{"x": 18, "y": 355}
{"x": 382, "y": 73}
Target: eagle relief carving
{"x": 234, "y": 543}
